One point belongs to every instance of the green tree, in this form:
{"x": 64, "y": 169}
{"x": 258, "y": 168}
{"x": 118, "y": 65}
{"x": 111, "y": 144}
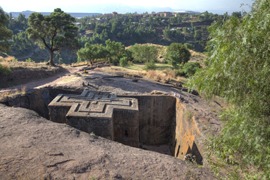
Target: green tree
{"x": 177, "y": 53}
{"x": 189, "y": 69}
{"x": 52, "y": 32}
{"x": 144, "y": 53}
{"x": 92, "y": 53}
{"x": 5, "y": 33}
{"x": 198, "y": 34}
{"x": 116, "y": 51}
{"x": 167, "y": 32}
{"x": 237, "y": 14}
{"x": 22, "y": 45}
{"x": 18, "y": 24}
{"x": 238, "y": 69}
{"x": 116, "y": 26}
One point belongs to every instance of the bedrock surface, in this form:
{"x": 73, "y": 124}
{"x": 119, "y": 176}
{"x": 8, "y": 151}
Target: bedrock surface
{"x": 35, "y": 148}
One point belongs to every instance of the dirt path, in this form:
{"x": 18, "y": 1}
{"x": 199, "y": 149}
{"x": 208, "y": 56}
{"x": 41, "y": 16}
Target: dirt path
{"x": 44, "y": 81}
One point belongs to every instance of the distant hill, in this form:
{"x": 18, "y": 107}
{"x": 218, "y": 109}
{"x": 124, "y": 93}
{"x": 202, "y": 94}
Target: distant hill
{"x": 76, "y": 15}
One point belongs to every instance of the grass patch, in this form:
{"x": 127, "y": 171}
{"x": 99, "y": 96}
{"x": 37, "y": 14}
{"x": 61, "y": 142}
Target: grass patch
{"x": 159, "y": 66}
{"x": 162, "y": 66}
{"x": 4, "y": 70}
{"x": 162, "y": 73}
{"x": 138, "y": 67}
{"x": 12, "y": 93}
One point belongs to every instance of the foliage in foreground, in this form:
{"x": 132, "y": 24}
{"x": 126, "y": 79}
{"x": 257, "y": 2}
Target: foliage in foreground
{"x": 239, "y": 70}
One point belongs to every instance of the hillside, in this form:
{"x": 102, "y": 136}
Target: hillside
{"x": 74, "y": 14}
{"x": 157, "y": 28}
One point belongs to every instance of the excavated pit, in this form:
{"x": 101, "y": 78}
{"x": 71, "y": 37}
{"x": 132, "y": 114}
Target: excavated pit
{"x": 153, "y": 122}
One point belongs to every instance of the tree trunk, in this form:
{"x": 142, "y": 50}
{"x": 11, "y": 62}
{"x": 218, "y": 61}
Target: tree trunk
{"x": 51, "y": 62}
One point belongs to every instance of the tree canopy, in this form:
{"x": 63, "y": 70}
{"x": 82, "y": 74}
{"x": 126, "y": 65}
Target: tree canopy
{"x": 116, "y": 50}
{"x": 153, "y": 28}
{"x": 92, "y": 52}
{"x": 112, "y": 51}
{"x": 238, "y": 69}
{"x": 52, "y": 32}
{"x": 5, "y": 33}
{"x": 18, "y": 24}
{"x": 144, "y": 53}
{"x": 177, "y": 53}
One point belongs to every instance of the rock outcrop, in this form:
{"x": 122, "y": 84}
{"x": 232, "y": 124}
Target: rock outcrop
{"x": 35, "y": 148}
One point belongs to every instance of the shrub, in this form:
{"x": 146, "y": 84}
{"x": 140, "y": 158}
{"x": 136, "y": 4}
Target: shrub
{"x": 4, "y": 70}
{"x": 189, "y": 69}
{"x": 124, "y": 62}
{"x": 144, "y": 53}
{"x": 189, "y": 46}
{"x": 29, "y": 60}
{"x": 150, "y": 65}
{"x": 177, "y": 54}
{"x": 130, "y": 63}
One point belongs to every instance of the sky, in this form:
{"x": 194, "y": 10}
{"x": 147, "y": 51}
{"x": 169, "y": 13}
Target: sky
{"x": 123, "y": 6}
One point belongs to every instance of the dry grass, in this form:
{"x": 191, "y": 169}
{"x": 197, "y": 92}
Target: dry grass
{"x": 197, "y": 57}
{"x": 13, "y": 63}
{"x": 163, "y": 76}
{"x": 160, "y": 76}
{"x": 77, "y": 64}
{"x": 4, "y": 67}
{"x": 15, "y": 72}
{"x": 7, "y": 59}
{"x": 122, "y": 70}
{"x": 5, "y": 64}
{"x": 12, "y": 93}
{"x": 87, "y": 32}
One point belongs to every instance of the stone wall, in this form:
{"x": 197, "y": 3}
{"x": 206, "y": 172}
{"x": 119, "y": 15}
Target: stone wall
{"x": 37, "y": 100}
{"x": 165, "y": 120}
{"x": 156, "y": 115}
{"x": 185, "y": 134}
{"x": 126, "y": 127}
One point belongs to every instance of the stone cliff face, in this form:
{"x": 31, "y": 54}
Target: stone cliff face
{"x": 186, "y": 134}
